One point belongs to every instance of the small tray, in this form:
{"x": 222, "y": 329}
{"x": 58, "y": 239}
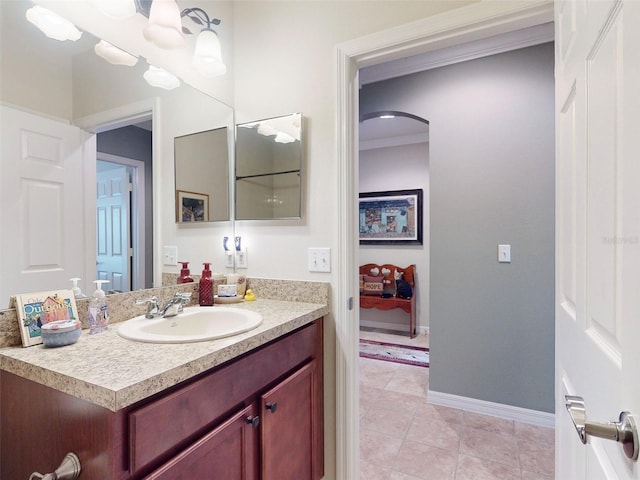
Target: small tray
{"x": 236, "y": 299}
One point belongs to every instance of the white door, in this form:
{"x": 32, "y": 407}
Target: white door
{"x": 43, "y": 210}
{"x": 113, "y": 226}
{"x": 597, "y": 229}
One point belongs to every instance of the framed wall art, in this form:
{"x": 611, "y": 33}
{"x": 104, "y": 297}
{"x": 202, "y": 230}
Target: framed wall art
{"x": 391, "y": 218}
{"x": 192, "y": 206}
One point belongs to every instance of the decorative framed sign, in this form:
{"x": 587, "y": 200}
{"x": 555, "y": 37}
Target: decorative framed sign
{"x": 192, "y": 206}
{"x": 37, "y": 309}
{"x": 391, "y": 218}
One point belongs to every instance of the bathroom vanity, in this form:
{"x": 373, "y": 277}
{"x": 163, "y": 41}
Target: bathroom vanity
{"x": 244, "y": 407}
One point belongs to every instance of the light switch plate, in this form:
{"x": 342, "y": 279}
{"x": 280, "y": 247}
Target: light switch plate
{"x": 170, "y": 255}
{"x": 504, "y": 253}
{"x": 241, "y": 258}
{"x": 319, "y": 259}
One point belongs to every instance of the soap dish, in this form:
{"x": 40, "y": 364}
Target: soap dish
{"x": 236, "y": 299}
{"x": 60, "y": 333}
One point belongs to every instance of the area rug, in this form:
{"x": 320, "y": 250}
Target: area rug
{"x": 392, "y": 352}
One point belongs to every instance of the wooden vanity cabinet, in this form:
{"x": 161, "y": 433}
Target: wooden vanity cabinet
{"x": 204, "y": 428}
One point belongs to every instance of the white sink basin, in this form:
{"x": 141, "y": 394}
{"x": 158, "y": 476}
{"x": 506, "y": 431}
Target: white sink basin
{"x": 194, "y": 324}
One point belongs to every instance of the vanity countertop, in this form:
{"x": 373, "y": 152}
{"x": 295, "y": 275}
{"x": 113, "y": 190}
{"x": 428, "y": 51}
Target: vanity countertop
{"x": 114, "y": 373}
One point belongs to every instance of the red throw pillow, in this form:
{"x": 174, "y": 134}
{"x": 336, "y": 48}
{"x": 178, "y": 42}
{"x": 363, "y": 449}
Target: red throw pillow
{"x": 373, "y": 285}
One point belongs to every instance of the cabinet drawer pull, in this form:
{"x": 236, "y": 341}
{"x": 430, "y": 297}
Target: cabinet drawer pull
{"x": 253, "y": 421}
{"x": 272, "y": 406}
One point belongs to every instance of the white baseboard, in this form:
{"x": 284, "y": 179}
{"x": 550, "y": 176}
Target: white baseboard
{"x": 509, "y": 412}
{"x": 393, "y": 326}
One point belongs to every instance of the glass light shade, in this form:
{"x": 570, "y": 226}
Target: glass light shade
{"x": 53, "y": 25}
{"x": 165, "y": 26}
{"x": 207, "y": 56}
{"x": 116, "y": 8}
{"x": 282, "y": 137}
{"x": 267, "y": 130}
{"x": 159, "y": 77}
{"x": 114, "y": 55}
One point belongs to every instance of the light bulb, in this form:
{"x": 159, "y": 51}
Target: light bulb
{"x": 53, "y": 25}
{"x": 114, "y": 55}
{"x": 165, "y": 26}
{"x": 159, "y": 77}
{"x": 207, "y": 57}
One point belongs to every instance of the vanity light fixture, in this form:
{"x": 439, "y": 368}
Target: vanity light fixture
{"x": 165, "y": 30}
{"x": 114, "y": 55}
{"x": 53, "y": 25}
{"x": 165, "y": 26}
{"x": 159, "y": 77}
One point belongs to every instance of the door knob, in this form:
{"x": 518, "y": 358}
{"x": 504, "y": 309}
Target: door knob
{"x": 623, "y": 431}
{"x": 272, "y": 406}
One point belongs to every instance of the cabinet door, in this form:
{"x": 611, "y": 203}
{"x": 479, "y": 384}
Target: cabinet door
{"x": 288, "y": 414}
{"x": 229, "y": 452}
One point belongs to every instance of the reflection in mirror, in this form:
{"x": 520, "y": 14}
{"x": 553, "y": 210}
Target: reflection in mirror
{"x": 54, "y": 91}
{"x": 202, "y": 176}
{"x": 268, "y": 168}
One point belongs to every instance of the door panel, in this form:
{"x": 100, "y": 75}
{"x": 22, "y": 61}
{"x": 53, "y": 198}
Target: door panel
{"x": 113, "y": 226}
{"x": 597, "y": 230}
{"x": 43, "y": 203}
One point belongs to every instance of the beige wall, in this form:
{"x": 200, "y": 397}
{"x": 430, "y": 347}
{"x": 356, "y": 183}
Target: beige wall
{"x": 285, "y": 62}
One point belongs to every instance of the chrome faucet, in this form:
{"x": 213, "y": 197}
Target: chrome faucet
{"x": 174, "y": 306}
{"x": 170, "y": 309}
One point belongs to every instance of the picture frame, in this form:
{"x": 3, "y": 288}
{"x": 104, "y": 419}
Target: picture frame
{"x": 391, "y": 218}
{"x": 40, "y": 308}
{"x": 191, "y": 207}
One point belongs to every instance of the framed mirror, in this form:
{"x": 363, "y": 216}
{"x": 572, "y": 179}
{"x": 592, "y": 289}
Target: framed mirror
{"x": 268, "y": 168}
{"x": 202, "y": 176}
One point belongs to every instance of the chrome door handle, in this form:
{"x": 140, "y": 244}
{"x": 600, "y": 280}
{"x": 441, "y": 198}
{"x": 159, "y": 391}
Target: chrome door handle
{"x": 623, "y": 431}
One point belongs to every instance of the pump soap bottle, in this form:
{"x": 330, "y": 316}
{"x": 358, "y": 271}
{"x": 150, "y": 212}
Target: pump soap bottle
{"x": 185, "y": 274}
{"x": 98, "y": 312}
{"x": 206, "y": 287}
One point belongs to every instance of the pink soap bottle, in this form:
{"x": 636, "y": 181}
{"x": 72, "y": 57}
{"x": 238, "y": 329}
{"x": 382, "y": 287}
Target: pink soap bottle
{"x": 185, "y": 274}
{"x": 205, "y": 288}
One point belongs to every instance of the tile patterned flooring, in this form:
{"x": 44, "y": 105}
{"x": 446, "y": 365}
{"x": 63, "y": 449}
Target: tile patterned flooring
{"x": 402, "y": 437}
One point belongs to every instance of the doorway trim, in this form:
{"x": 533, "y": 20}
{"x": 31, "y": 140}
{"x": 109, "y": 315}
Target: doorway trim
{"x": 467, "y": 24}
{"x": 123, "y": 116}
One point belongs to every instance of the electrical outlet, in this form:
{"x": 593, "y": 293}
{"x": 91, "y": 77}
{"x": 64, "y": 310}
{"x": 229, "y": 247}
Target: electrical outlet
{"x": 319, "y": 259}
{"x": 229, "y": 259}
{"x": 170, "y": 255}
{"x": 504, "y": 253}
{"x": 241, "y": 258}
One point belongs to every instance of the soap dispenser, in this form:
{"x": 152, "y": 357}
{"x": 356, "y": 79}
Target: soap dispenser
{"x": 185, "y": 274}
{"x": 98, "y": 312}
{"x": 77, "y": 293}
{"x": 206, "y": 287}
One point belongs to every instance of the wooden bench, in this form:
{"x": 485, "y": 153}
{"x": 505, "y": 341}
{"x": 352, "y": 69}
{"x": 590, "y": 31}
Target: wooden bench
{"x": 387, "y": 271}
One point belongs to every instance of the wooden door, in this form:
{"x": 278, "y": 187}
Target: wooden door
{"x": 288, "y": 413}
{"x": 598, "y": 229}
{"x": 229, "y": 452}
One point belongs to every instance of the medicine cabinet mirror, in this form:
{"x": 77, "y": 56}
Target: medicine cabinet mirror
{"x": 268, "y": 168}
{"x": 202, "y": 176}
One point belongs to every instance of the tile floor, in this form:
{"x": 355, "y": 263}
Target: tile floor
{"x": 402, "y": 437}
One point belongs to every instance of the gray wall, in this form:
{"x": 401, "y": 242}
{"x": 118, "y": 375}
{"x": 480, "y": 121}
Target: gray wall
{"x": 492, "y": 181}
{"x": 135, "y": 143}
